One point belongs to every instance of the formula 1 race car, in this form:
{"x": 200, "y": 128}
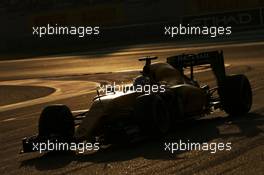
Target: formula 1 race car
{"x": 125, "y": 116}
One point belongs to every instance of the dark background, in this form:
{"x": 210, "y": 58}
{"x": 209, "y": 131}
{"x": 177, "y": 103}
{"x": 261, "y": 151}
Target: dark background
{"x": 122, "y": 22}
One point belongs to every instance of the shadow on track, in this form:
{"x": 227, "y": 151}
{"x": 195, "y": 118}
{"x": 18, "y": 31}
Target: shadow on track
{"x": 199, "y": 131}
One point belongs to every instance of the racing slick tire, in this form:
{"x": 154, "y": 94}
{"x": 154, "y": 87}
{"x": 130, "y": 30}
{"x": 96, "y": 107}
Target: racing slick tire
{"x": 236, "y": 95}
{"x": 153, "y": 115}
{"x": 56, "y": 120}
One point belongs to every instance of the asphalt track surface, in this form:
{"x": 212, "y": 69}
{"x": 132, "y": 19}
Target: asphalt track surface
{"x": 74, "y": 79}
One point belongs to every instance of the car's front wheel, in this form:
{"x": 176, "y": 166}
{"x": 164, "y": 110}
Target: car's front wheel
{"x": 56, "y": 120}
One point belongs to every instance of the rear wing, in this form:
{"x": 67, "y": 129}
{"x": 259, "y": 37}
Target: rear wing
{"x": 214, "y": 58}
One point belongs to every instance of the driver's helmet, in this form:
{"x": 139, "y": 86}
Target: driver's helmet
{"x": 141, "y": 80}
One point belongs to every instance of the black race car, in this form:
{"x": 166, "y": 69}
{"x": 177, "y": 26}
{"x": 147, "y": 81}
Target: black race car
{"x": 127, "y": 115}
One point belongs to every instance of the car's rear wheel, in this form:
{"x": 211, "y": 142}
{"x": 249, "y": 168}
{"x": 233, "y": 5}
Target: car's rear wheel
{"x": 236, "y": 95}
{"x": 56, "y": 120}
